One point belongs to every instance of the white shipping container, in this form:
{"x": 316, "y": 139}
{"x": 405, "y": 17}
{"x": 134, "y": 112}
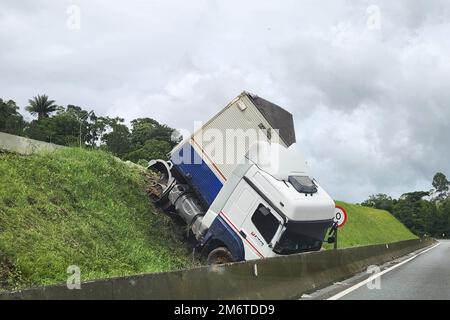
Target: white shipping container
{"x": 224, "y": 140}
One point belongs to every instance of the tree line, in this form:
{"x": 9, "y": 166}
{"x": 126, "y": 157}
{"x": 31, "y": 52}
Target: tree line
{"x": 425, "y": 213}
{"x": 74, "y": 126}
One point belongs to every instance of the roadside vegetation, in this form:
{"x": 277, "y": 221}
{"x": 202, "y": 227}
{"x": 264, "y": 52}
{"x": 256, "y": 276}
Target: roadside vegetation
{"x": 75, "y": 126}
{"x": 83, "y": 208}
{"x": 425, "y": 213}
{"x": 367, "y": 226}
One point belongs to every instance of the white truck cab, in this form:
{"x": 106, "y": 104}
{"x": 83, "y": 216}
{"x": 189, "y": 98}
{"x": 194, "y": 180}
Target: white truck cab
{"x": 273, "y": 210}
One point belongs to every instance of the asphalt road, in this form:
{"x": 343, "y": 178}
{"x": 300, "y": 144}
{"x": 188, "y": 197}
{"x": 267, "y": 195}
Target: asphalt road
{"x": 425, "y": 277}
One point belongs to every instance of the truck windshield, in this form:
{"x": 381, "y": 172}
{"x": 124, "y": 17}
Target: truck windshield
{"x": 302, "y": 236}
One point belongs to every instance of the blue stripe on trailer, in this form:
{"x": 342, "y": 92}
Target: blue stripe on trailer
{"x": 197, "y": 172}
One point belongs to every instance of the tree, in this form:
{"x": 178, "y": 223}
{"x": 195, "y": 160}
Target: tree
{"x": 83, "y": 117}
{"x": 379, "y": 201}
{"x": 118, "y": 139}
{"x": 150, "y": 140}
{"x": 144, "y": 129}
{"x": 41, "y": 106}
{"x": 445, "y": 209}
{"x": 152, "y": 149}
{"x": 69, "y": 127}
{"x": 413, "y": 212}
{"x": 414, "y": 196}
{"x": 96, "y": 129}
{"x": 39, "y": 130}
{"x": 60, "y": 129}
{"x": 11, "y": 121}
{"x": 441, "y": 185}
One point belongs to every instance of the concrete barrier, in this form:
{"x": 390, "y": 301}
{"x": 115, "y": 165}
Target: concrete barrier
{"x": 24, "y": 145}
{"x": 286, "y": 277}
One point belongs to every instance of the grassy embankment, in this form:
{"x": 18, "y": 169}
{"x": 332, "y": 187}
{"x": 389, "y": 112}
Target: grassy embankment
{"x": 84, "y": 208}
{"x": 366, "y": 226}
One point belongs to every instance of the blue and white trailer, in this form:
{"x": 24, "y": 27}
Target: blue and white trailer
{"x": 243, "y": 188}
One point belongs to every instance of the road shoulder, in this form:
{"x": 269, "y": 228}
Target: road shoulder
{"x": 338, "y": 287}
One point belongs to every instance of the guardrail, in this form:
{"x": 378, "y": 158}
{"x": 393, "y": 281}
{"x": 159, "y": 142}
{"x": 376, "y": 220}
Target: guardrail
{"x": 286, "y": 277}
{"x": 24, "y": 145}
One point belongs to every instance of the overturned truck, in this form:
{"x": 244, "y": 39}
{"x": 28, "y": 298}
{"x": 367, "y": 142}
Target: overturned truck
{"x": 242, "y": 187}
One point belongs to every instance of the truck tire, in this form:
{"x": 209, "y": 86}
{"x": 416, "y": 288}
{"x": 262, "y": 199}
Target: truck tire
{"x": 219, "y": 255}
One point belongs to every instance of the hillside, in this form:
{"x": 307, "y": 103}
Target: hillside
{"x": 84, "y": 208}
{"x": 370, "y": 226}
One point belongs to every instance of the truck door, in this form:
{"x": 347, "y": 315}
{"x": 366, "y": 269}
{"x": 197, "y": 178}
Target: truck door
{"x": 255, "y": 221}
{"x": 261, "y": 226}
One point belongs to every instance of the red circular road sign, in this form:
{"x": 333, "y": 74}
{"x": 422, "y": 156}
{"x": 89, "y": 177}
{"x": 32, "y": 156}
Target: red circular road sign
{"x": 340, "y": 216}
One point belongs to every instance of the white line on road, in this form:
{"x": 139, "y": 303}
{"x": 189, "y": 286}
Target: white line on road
{"x": 371, "y": 278}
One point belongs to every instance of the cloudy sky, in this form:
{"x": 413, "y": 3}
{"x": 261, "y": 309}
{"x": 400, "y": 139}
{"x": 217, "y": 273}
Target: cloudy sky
{"x": 368, "y": 82}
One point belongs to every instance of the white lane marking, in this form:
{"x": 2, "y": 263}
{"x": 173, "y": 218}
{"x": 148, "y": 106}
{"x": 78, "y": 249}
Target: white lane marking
{"x": 371, "y": 278}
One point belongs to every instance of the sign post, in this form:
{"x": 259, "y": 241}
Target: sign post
{"x": 335, "y": 240}
{"x": 340, "y": 217}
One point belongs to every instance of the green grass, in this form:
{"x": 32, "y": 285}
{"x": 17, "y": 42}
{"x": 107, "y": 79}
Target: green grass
{"x": 366, "y": 226}
{"x": 84, "y": 208}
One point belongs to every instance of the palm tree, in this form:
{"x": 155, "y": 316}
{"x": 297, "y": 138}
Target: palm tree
{"x": 41, "y": 106}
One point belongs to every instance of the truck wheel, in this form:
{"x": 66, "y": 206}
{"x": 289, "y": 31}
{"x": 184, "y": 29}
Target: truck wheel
{"x": 219, "y": 255}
